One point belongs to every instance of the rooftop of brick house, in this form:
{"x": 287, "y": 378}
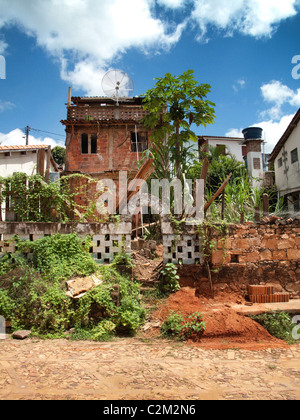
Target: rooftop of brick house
{"x": 104, "y": 135}
{"x": 89, "y": 110}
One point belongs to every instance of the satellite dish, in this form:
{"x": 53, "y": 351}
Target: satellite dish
{"x": 117, "y": 84}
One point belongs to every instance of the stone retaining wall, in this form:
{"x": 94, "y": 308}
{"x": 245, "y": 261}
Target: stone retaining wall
{"x": 253, "y": 254}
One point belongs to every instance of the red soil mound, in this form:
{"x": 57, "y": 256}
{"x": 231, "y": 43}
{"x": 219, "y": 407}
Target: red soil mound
{"x": 225, "y": 328}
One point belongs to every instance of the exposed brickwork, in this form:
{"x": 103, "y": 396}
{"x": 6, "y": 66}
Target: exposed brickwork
{"x": 265, "y": 294}
{"x": 114, "y": 151}
{"x": 254, "y": 146}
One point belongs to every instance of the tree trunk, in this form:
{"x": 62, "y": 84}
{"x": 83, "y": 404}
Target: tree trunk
{"x": 178, "y": 169}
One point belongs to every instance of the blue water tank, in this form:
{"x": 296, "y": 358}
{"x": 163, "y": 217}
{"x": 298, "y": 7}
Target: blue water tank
{"x": 253, "y": 133}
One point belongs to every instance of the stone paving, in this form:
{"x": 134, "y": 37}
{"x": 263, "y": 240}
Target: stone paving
{"x": 133, "y": 369}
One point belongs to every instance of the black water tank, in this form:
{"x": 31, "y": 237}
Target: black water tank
{"x": 253, "y": 133}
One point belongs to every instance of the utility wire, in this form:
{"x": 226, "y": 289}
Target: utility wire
{"x": 46, "y": 132}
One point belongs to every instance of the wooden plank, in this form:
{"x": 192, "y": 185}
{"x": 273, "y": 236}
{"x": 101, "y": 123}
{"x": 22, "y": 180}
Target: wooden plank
{"x": 220, "y": 190}
{"x": 266, "y": 205}
{"x": 204, "y": 169}
{"x": 41, "y": 162}
{"x": 144, "y": 173}
{"x": 48, "y": 163}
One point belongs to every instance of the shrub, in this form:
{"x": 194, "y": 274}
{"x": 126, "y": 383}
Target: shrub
{"x": 175, "y": 326}
{"x": 97, "y": 304}
{"x": 169, "y": 280}
{"x": 194, "y": 327}
{"x": 60, "y": 256}
{"x": 30, "y": 302}
{"x": 104, "y": 331}
{"x": 172, "y": 327}
{"x": 278, "y": 324}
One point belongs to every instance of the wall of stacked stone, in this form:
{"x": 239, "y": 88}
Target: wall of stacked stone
{"x": 108, "y": 239}
{"x": 267, "y": 252}
{"x": 263, "y": 253}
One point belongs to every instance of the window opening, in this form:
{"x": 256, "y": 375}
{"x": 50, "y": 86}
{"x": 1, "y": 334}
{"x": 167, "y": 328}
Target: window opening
{"x": 84, "y": 144}
{"x": 139, "y": 142}
{"x": 294, "y": 155}
{"x": 94, "y": 144}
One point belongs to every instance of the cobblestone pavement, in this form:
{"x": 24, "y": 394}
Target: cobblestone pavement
{"x": 131, "y": 369}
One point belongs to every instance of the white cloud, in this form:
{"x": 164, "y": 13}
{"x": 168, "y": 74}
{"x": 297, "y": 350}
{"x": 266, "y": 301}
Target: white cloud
{"x": 3, "y": 46}
{"x": 87, "y": 35}
{"x": 273, "y": 121}
{"x": 6, "y": 105}
{"x": 273, "y": 131}
{"x": 251, "y": 17}
{"x": 17, "y": 138}
{"x": 240, "y": 84}
{"x": 278, "y": 94}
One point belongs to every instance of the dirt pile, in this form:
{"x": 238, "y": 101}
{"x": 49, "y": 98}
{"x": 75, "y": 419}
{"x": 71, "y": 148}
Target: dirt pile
{"x": 225, "y": 328}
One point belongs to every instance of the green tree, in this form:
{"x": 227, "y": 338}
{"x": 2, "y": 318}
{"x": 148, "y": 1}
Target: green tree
{"x": 59, "y": 154}
{"x": 174, "y": 105}
{"x": 220, "y": 166}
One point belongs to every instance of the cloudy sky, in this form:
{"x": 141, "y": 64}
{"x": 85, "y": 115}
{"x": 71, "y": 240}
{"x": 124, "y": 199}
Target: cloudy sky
{"x": 245, "y": 49}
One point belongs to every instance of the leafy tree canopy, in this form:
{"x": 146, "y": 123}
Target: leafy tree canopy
{"x": 174, "y": 104}
{"x": 59, "y": 154}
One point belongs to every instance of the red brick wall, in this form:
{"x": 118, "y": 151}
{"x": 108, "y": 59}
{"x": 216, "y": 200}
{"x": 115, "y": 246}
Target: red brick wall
{"x": 113, "y": 150}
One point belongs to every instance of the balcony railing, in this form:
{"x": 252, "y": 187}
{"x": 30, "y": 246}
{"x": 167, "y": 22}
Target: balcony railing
{"x": 107, "y": 113}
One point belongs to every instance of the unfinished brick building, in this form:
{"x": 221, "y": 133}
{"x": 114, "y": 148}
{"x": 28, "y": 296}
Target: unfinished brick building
{"x": 104, "y": 137}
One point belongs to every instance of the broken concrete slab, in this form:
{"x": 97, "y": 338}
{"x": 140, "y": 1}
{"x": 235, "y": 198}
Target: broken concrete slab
{"x": 291, "y": 307}
{"x": 79, "y": 286}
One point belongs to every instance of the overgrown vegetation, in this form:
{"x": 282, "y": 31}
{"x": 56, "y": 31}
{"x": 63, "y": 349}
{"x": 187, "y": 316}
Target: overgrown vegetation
{"x": 33, "y": 291}
{"x": 174, "y": 105}
{"x": 278, "y": 324}
{"x": 176, "y": 327}
{"x": 32, "y": 199}
{"x": 168, "y": 279}
{"x": 240, "y": 196}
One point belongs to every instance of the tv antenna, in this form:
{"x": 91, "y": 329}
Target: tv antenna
{"x": 117, "y": 84}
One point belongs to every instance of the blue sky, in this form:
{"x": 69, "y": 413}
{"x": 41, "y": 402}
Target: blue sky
{"x": 242, "y": 48}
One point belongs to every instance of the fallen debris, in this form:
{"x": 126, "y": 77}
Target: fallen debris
{"x": 79, "y": 286}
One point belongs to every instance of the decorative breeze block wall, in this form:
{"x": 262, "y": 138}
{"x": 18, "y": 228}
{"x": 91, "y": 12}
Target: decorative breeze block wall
{"x": 108, "y": 238}
{"x": 183, "y": 248}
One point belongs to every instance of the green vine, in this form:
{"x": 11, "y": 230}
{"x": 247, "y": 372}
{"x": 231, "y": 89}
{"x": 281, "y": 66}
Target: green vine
{"x": 32, "y": 199}
{"x": 207, "y": 230}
